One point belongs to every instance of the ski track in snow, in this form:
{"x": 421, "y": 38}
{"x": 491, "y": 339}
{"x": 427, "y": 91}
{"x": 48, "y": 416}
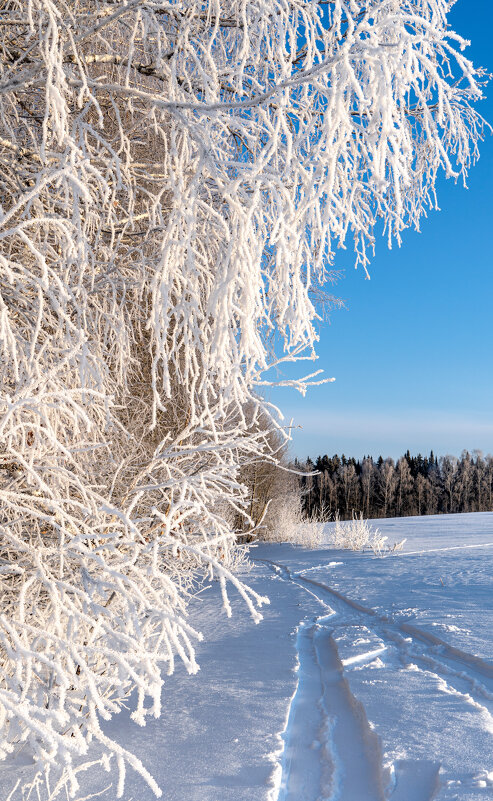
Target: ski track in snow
{"x": 324, "y": 717}
{"x": 331, "y": 752}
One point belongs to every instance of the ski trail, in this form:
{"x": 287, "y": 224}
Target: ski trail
{"x": 330, "y": 749}
{"x": 349, "y": 766}
{"x": 450, "y": 652}
{"x": 461, "y": 669}
{"x": 355, "y": 748}
{"x": 449, "y": 548}
{"x": 303, "y": 769}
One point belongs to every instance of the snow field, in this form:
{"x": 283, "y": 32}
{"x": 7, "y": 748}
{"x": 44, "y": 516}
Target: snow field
{"x": 369, "y": 679}
{"x": 424, "y": 682}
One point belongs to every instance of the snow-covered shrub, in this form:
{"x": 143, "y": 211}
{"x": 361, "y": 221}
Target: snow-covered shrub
{"x": 310, "y": 534}
{"x": 381, "y": 546}
{"x": 175, "y": 176}
{"x": 285, "y": 522}
{"x": 282, "y": 519}
{"x": 357, "y": 534}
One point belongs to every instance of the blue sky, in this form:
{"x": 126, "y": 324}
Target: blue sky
{"x": 412, "y": 353}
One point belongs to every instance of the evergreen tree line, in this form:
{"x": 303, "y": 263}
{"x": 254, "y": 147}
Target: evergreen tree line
{"x": 414, "y": 485}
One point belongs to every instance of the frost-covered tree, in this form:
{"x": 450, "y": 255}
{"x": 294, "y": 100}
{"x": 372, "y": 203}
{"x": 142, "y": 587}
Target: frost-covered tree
{"x": 367, "y": 483}
{"x": 349, "y": 488}
{"x": 175, "y": 178}
{"x": 387, "y": 484}
{"x": 404, "y": 487}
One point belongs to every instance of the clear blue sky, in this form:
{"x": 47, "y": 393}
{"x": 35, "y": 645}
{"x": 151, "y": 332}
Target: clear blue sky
{"x": 413, "y": 353}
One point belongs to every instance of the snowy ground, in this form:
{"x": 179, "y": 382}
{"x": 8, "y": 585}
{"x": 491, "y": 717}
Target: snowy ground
{"x": 368, "y": 679}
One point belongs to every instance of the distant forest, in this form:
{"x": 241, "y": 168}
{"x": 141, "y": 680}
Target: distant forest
{"x": 414, "y": 485}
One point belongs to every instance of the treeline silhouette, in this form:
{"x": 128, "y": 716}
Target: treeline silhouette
{"x": 414, "y": 485}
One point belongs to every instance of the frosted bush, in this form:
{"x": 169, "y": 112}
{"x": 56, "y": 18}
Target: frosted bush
{"x": 310, "y": 534}
{"x": 285, "y": 522}
{"x": 355, "y": 534}
{"x": 358, "y": 534}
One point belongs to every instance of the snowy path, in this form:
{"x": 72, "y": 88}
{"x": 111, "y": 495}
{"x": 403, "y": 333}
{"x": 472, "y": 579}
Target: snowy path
{"x": 327, "y": 733}
{"x": 331, "y": 750}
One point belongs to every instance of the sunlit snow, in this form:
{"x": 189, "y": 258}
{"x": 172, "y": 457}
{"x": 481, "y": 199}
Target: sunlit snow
{"x": 369, "y": 678}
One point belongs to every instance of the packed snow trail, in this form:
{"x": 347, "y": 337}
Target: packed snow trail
{"x": 349, "y": 765}
{"x": 328, "y": 733}
{"x": 302, "y": 769}
{"x": 324, "y": 718}
{"x": 414, "y": 643}
{"x": 350, "y": 740}
{"x": 331, "y": 751}
{"x": 462, "y": 670}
